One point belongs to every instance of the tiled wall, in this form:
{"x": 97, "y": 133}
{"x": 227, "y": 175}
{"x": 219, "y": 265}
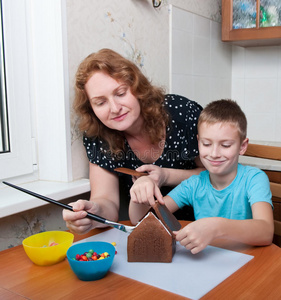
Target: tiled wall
{"x": 204, "y": 69}
{"x": 200, "y": 62}
{"x": 256, "y": 85}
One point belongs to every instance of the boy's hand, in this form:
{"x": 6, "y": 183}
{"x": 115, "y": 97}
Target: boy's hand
{"x": 197, "y": 235}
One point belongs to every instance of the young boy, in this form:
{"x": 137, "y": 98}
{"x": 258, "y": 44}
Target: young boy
{"x": 229, "y": 200}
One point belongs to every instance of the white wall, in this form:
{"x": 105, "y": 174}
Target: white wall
{"x": 200, "y": 62}
{"x": 256, "y": 86}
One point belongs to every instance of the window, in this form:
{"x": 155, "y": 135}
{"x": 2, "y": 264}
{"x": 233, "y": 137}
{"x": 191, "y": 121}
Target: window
{"x": 16, "y": 160}
{"x": 37, "y": 91}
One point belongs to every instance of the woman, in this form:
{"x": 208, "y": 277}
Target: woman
{"x": 128, "y": 122}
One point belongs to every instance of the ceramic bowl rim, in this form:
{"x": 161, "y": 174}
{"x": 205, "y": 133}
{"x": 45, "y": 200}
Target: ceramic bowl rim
{"x": 70, "y": 236}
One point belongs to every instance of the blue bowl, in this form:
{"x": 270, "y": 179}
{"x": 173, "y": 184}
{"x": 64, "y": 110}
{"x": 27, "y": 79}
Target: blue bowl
{"x": 90, "y": 270}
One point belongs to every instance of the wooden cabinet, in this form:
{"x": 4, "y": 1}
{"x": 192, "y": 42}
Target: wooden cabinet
{"x": 247, "y": 37}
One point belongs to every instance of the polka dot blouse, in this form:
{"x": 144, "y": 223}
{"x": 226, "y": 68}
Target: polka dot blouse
{"x": 180, "y": 146}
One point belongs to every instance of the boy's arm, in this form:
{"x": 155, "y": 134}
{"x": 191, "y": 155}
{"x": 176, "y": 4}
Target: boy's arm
{"x": 257, "y": 231}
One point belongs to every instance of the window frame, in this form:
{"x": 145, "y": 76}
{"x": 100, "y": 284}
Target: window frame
{"x": 4, "y": 139}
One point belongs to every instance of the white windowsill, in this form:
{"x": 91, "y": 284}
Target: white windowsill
{"x": 13, "y": 201}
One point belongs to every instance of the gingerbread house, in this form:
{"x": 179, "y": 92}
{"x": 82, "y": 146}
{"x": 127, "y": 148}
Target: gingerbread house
{"x": 153, "y": 240}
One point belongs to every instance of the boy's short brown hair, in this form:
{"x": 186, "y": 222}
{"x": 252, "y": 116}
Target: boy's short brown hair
{"x": 225, "y": 111}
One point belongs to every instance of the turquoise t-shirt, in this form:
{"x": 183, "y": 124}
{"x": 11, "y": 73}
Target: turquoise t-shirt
{"x": 250, "y": 185}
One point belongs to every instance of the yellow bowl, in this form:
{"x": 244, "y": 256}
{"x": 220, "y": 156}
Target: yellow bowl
{"x": 39, "y": 249}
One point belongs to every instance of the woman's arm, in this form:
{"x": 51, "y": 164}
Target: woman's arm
{"x": 173, "y": 177}
{"x": 104, "y": 201}
{"x": 170, "y": 176}
{"x": 147, "y": 188}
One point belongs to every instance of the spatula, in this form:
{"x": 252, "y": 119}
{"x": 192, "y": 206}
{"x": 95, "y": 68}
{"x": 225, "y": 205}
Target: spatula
{"x": 130, "y": 172}
{"x": 91, "y": 216}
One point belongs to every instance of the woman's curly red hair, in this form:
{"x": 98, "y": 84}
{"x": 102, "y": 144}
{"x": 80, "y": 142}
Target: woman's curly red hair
{"x": 151, "y": 98}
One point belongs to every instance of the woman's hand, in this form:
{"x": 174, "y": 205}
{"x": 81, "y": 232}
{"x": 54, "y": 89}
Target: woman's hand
{"x": 145, "y": 190}
{"x": 76, "y": 221}
{"x": 156, "y": 173}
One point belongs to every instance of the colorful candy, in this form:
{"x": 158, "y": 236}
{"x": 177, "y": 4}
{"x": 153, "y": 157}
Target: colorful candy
{"x": 91, "y": 255}
{"x": 114, "y": 244}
